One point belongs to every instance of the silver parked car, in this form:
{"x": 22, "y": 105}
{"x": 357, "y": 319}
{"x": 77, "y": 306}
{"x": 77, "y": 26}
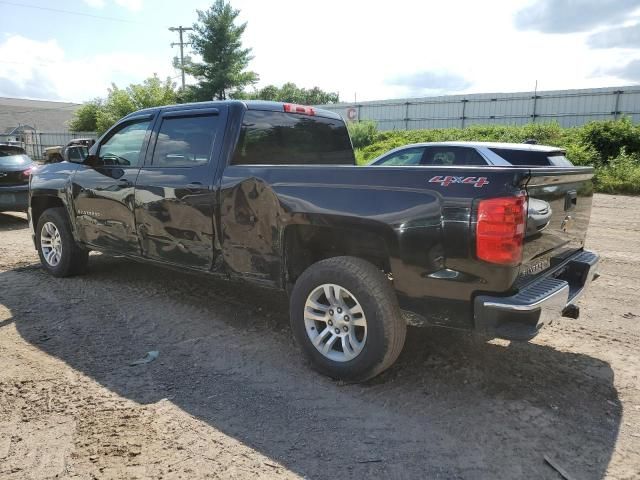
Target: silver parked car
{"x": 474, "y": 154}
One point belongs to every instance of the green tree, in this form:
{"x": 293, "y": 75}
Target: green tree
{"x": 218, "y": 41}
{"x": 98, "y": 115}
{"x": 85, "y": 118}
{"x": 290, "y": 92}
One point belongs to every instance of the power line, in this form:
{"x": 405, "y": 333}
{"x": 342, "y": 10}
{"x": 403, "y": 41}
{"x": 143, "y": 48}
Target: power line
{"x": 180, "y": 30}
{"x": 68, "y": 12}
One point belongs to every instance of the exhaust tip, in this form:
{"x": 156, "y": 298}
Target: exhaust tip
{"x": 571, "y": 311}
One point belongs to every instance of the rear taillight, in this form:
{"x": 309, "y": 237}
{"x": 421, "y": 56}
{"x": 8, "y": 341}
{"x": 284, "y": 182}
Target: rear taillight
{"x": 27, "y": 173}
{"x": 500, "y": 229}
{"x": 293, "y": 108}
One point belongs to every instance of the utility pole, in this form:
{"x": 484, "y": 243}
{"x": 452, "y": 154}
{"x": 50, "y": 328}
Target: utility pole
{"x": 180, "y": 30}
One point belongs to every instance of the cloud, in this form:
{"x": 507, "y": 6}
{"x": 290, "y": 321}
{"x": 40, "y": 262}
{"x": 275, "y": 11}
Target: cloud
{"x": 133, "y": 5}
{"x": 569, "y": 16}
{"x": 41, "y": 70}
{"x": 629, "y": 72}
{"x": 95, "y": 3}
{"x": 621, "y": 37}
{"x": 34, "y": 87}
{"x": 430, "y": 82}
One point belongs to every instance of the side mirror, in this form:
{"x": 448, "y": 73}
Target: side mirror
{"x": 91, "y": 160}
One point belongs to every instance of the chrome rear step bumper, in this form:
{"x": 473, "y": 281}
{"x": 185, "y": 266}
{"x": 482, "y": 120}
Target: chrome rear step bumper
{"x": 554, "y": 293}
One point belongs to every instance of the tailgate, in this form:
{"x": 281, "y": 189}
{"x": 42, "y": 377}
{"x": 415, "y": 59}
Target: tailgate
{"x": 559, "y": 207}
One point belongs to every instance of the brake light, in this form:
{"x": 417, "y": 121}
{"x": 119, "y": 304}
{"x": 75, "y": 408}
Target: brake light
{"x": 500, "y": 229}
{"x": 27, "y": 172}
{"x": 293, "y": 108}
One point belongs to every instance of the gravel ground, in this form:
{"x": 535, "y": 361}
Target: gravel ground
{"x": 230, "y": 397}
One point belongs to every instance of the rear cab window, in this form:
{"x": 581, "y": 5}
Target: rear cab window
{"x": 280, "y": 138}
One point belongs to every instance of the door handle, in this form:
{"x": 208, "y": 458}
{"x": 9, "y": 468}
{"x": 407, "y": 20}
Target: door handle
{"x": 194, "y": 186}
{"x": 124, "y": 183}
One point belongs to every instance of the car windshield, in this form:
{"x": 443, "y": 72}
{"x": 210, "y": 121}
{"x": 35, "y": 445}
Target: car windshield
{"x": 77, "y": 153}
{"x": 13, "y": 157}
{"x": 559, "y": 160}
{"x": 533, "y": 158}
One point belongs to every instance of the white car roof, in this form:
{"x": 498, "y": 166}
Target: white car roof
{"x": 510, "y": 146}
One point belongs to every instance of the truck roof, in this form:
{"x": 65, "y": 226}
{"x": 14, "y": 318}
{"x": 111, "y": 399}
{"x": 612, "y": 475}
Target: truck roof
{"x": 511, "y": 146}
{"x": 248, "y": 104}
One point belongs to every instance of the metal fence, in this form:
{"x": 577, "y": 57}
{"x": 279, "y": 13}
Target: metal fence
{"x": 567, "y": 107}
{"x": 36, "y": 142}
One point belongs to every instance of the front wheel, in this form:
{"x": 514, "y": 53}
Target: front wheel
{"x": 59, "y": 253}
{"x": 345, "y": 316}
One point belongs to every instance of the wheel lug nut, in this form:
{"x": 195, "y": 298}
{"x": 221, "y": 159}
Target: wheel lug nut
{"x": 346, "y": 318}
{"x": 339, "y": 310}
{"x": 345, "y": 328}
{"x": 330, "y": 322}
{"x": 337, "y": 330}
{"x": 330, "y": 312}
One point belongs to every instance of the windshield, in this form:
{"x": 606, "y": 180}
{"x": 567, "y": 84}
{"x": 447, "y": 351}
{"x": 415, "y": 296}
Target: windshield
{"x": 13, "y": 157}
{"x": 533, "y": 158}
{"x": 559, "y": 160}
{"x": 77, "y": 153}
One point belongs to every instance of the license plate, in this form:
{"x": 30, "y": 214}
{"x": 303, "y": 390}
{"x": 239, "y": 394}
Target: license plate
{"x": 7, "y": 198}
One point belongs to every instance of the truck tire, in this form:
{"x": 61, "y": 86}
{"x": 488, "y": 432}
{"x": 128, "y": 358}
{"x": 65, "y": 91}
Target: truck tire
{"x": 345, "y": 316}
{"x": 59, "y": 253}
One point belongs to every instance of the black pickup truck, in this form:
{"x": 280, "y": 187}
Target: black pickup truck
{"x": 269, "y": 193}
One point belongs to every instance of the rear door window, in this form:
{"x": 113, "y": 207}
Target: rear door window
{"x": 451, "y": 156}
{"x": 279, "y": 138}
{"x": 185, "y": 141}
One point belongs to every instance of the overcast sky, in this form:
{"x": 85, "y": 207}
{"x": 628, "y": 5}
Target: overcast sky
{"x": 73, "y": 49}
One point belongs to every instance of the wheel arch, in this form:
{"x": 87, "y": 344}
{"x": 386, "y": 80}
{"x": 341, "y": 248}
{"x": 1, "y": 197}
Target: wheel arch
{"x": 305, "y": 244}
{"x": 40, "y": 203}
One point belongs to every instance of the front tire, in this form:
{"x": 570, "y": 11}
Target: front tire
{"x": 345, "y": 316}
{"x": 59, "y": 253}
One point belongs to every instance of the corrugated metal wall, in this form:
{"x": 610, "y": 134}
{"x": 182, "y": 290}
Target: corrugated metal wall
{"x": 567, "y": 107}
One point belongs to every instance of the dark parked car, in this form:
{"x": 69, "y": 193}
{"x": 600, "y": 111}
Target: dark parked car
{"x": 269, "y": 193}
{"x": 15, "y": 167}
{"x": 474, "y": 154}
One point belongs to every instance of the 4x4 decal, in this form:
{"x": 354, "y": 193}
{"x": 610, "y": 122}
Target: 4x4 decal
{"x": 477, "y": 182}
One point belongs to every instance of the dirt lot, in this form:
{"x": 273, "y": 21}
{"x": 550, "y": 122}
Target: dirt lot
{"x": 230, "y": 397}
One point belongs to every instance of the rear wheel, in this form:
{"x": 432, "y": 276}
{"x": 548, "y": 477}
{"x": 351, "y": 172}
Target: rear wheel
{"x": 345, "y": 316}
{"x": 59, "y": 253}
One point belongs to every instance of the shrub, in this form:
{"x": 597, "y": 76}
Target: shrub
{"x": 622, "y": 175}
{"x": 609, "y": 137}
{"x": 362, "y": 133}
{"x": 581, "y": 154}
